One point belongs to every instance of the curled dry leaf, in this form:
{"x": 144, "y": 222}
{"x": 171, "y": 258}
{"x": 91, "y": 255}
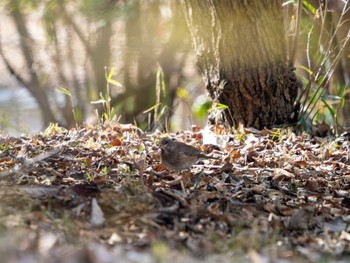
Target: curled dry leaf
{"x": 276, "y": 187}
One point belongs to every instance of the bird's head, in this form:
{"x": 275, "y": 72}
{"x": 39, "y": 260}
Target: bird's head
{"x": 164, "y": 142}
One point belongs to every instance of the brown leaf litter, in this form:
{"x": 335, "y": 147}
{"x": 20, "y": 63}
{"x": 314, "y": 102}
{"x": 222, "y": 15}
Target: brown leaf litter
{"x": 104, "y": 185}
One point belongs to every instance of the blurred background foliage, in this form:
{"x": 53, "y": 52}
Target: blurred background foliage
{"x": 50, "y": 45}
{"x": 56, "y": 57}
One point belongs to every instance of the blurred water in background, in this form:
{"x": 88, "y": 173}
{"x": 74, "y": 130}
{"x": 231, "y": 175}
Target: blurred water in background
{"x": 19, "y": 112}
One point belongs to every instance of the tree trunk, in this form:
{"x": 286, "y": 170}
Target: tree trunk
{"x": 241, "y": 51}
{"x": 101, "y": 55}
{"x": 142, "y": 30}
{"x": 33, "y": 84}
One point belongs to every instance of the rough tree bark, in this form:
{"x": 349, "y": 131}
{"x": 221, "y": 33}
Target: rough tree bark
{"x": 241, "y": 51}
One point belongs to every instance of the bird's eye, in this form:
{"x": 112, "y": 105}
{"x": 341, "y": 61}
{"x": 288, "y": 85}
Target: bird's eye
{"x": 164, "y": 141}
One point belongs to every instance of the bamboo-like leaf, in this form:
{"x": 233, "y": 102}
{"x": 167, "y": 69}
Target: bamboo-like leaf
{"x": 331, "y": 97}
{"x": 329, "y": 107}
{"x": 110, "y": 74}
{"x": 64, "y": 91}
{"x": 221, "y": 106}
{"x": 152, "y": 108}
{"x": 309, "y": 7}
{"x": 114, "y": 82}
{"x": 109, "y": 78}
{"x": 305, "y": 68}
{"x": 342, "y": 95}
{"x": 162, "y": 112}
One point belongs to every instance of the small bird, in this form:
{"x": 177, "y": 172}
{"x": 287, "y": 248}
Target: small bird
{"x": 179, "y": 156}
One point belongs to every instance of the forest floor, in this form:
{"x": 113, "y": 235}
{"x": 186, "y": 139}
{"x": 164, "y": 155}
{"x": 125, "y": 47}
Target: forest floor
{"x": 100, "y": 193}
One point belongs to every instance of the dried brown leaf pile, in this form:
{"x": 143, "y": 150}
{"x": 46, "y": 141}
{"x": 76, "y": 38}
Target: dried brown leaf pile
{"x": 271, "y": 193}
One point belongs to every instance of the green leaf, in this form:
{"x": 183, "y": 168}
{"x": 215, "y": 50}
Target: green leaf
{"x": 331, "y": 97}
{"x": 309, "y": 6}
{"x": 329, "y": 107}
{"x": 342, "y": 95}
{"x": 317, "y": 116}
{"x": 182, "y": 93}
{"x": 114, "y": 82}
{"x": 110, "y": 74}
{"x": 162, "y": 112}
{"x": 220, "y": 106}
{"x": 64, "y": 91}
{"x": 152, "y": 108}
{"x": 109, "y": 78}
{"x": 306, "y": 69}
{"x": 201, "y": 110}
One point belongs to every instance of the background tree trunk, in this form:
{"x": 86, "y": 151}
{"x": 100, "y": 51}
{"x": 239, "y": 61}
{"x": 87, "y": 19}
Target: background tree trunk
{"x": 142, "y": 32}
{"x": 241, "y": 51}
{"x": 32, "y": 82}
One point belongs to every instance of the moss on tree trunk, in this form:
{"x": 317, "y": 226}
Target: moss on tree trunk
{"x": 241, "y": 50}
